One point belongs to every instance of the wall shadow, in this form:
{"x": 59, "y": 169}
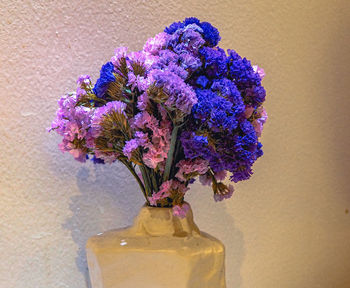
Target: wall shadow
{"x": 108, "y": 199}
{"x": 215, "y": 219}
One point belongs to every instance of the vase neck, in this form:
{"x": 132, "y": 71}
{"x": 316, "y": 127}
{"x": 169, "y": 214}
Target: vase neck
{"x": 156, "y": 221}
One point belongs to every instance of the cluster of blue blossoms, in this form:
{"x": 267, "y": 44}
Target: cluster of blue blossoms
{"x": 230, "y": 95}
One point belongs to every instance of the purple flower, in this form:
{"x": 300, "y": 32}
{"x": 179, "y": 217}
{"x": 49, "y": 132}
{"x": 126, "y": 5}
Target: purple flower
{"x": 223, "y": 192}
{"x": 181, "y": 210}
{"x": 154, "y": 45}
{"x": 129, "y": 147}
{"x": 100, "y": 112}
{"x": 181, "y": 95}
{"x": 73, "y": 123}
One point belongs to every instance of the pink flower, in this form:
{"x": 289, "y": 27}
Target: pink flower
{"x": 143, "y": 101}
{"x": 164, "y": 191}
{"x": 259, "y": 70}
{"x": 187, "y": 167}
{"x": 181, "y": 210}
{"x": 73, "y": 123}
{"x": 78, "y": 154}
{"x": 158, "y": 146}
{"x": 259, "y": 122}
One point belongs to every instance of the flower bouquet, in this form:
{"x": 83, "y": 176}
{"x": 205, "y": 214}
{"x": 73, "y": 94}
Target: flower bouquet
{"x": 179, "y": 109}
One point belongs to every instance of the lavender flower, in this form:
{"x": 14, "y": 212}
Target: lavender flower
{"x": 181, "y": 95}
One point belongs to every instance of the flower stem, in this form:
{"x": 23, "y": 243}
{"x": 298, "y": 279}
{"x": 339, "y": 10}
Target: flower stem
{"x": 169, "y": 160}
{"x": 133, "y": 172}
{"x": 148, "y": 186}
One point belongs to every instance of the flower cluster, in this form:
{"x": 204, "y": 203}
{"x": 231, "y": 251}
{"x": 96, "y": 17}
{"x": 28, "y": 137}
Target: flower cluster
{"x": 178, "y": 109}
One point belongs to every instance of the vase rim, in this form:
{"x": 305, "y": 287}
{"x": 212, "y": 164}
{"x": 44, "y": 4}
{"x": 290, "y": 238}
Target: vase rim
{"x": 169, "y": 207}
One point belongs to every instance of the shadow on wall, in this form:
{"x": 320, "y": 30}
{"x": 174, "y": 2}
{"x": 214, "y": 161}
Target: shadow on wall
{"x": 102, "y": 205}
{"x": 214, "y": 219}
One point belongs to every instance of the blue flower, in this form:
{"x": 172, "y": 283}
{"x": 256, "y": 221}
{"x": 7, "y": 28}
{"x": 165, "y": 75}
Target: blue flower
{"x": 191, "y": 20}
{"x": 246, "y": 79}
{"x": 173, "y": 27}
{"x": 210, "y": 34}
{"x": 106, "y": 77}
{"x": 195, "y": 145}
{"x": 215, "y": 61}
{"x": 202, "y": 81}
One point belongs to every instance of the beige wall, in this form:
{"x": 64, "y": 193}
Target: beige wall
{"x": 286, "y": 227}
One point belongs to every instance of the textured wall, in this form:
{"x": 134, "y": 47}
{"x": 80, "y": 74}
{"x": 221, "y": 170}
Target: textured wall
{"x": 287, "y": 227}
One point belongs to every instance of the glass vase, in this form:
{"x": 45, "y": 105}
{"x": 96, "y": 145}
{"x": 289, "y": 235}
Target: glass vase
{"x": 159, "y": 250}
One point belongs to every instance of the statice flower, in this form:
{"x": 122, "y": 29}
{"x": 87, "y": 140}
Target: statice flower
{"x": 180, "y": 108}
{"x": 215, "y": 111}
{"x": 154, "y": 45}
{"x": 73, "y": 124}
{"x": 104, "y": 117}
{"x": 120, "y": 53}
{"x": 83, "y": 85}
{"x": 129, "y": 147}
{"x": 207, "y": 178}
{"x": 188, "y": 39}
{"x": 195, "y": 145}
{"x": 156, "y": 149}
{"x": 106, "y": 77}
{"x": 181, "y": 95}
{"x": 246, "y": 78}
{"x": 164, "y": 192}
{"x": 101, "y": 112}
{"x": 191, "y": 168}
{"x": 259, "y": 70}
{"x": 181, "y": 210}
{"x": 222, "y": 192}
{"x": 259, "y": 122}
{"x": 215, "y": 61}
{"x": 209, "y": 33}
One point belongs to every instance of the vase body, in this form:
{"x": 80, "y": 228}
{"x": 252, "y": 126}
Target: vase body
{"x": 159, "y": 251}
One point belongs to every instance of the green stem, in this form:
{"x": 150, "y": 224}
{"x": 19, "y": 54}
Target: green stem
{"x": 133, "y": 172}
{"x": 169, "y": 160}
{"x": 154, "y": 180}
{"x": 145, "y": 177}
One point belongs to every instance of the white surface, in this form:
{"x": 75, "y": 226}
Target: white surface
{"x": 286, "y": 227}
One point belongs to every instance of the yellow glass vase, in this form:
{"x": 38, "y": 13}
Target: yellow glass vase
{"x": 159, "y": 251}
